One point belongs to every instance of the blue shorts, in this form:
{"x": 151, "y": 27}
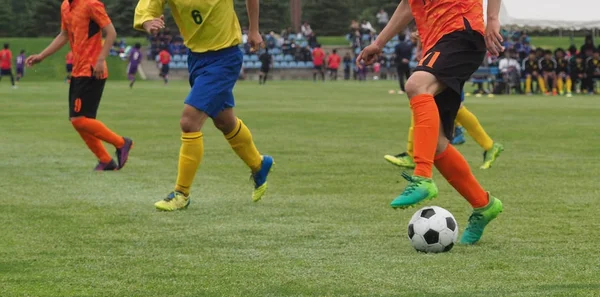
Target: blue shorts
{"x": 212, "y": 78}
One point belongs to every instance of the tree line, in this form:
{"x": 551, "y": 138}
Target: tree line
{"x": 32, "y": 18}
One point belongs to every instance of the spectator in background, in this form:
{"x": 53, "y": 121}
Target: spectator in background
{"x": 366, "y": 28}
{"x": 402, "y": 53}
{"x": 6, "y": 64}
{"x": 305, "y": 54}
{"x": 348, "y": 64}
{"x": 592, "y": 70}
{"x": 21, "y": 65}
{"x": 577, "y": 73}
{"x": 333, "y": 64}
{"x": 382, "y": 19}
{"x": 511, "y": 71}
{"x": 548, "y": 67}
{"x": 354, "y": 27}
{"x": 572, "y": 52}
{"x": 307, "y": 31}
{"x": 165, "y": 59}
{"x": 318, "y": 57}
{"x": 523, "y": 52}
{"x": 588, "y": 47}
{"x": 266, "y": 61}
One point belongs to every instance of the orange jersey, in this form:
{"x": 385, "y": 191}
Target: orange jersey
{"x": 436, "y": 18}
{"x": 83, "y": 20}
{"x": 69, "y": 58}
{"x": 165, "y": 57}
{"x": 318, "y": 56}
{"x": 334, "y": 61}
{"x": 5, "y": 59}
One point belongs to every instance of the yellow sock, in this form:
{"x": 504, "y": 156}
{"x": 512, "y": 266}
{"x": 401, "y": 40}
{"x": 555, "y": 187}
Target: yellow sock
{"x": 190, "y": 156}
{"x": 560, "y": 85}
{"x": 241, "y": 142}
{"x": 409, "y": 143}
{"x": 474, "y": 128}
{"x": 542, "y": 85}
{"x": 569, "y": 84}
{"x": 528, "y": 84}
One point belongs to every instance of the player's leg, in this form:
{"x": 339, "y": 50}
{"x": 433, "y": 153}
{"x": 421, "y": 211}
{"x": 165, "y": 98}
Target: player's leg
{"x": 553, "y": 77}
{"x": 541, "y": 83}
{"x": 455, "y": 169}
{"x": 12, "y": 77}
{"x": 191, "y": 153}
{"x": 405, "y": 159}
{"x": 528, "y": 83}
{"x": 560, "y": 83}
{"x": 421, "y": 88}
{"x": 491, "y": 149}
{"x": 315, "y": 74}
{"x": 84, "y": 99}
{"x": 568, "y": 85}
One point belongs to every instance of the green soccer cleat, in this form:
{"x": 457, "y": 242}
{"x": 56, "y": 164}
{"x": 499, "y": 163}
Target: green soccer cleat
{"x": 479, "y": 219}
{"x": 418, "y": 190}
{"x": 402, "y": 160}
{"x": 174, "y": 201}
{"x": 490, "y": 156}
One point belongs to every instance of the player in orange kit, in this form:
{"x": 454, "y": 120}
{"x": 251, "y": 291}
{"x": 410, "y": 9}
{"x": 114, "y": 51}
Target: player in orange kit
{"x": 452, "y": 34}
{"x": 82, "y": 25}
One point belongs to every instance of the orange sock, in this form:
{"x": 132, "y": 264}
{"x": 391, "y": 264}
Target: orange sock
{"x": 453, "y": 166}
{"x": 98, "y": 130}
{"x": 95, "y": 145}
{"x": 426, "y": 130}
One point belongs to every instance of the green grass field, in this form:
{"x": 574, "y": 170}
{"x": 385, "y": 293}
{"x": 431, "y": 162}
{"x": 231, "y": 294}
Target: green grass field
{"x": 325, "y": 228}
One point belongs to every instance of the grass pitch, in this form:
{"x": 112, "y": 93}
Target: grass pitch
{"x": 325, "y": 228}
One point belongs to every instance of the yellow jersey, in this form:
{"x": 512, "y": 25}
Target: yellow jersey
{"x": 206, "y": 25}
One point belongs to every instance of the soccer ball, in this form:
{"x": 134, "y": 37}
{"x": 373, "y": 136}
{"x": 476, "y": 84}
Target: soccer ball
{"x": 432, "y": 229}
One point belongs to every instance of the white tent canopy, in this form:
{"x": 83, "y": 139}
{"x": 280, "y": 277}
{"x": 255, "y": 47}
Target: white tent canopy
{"x": 550, "y": 14}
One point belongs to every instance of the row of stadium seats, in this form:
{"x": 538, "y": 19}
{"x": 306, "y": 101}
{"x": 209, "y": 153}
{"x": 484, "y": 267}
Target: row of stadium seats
{"x": 279, "y": 65}
{"x": 277, "y": 58}
{"x": 250, "y": 62}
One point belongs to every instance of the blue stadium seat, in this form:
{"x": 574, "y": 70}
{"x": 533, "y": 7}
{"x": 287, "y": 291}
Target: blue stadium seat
{"x": 293, "y": 64}
{"x": 184, "y": 58}
{"x": 182, "y": 65}
{"x": 310, "y": 64}
{"x": 257, "y": 64}
{"x": 301, "y": 64}
{"x": 285, "y": 64}
{"x": 278, "y": 58}
{"x": 288, "y": 58}
{"x": 253, "y": 58}
{"x": 275, "y": 51}
{"x": 246, "y": 58}
{"x": 173, "y": 65}
{"x": 157, "y": 58}
{"x": 176, "y": 58}
{"x": 303, "y": 44}
{"x": 276, "y": 64}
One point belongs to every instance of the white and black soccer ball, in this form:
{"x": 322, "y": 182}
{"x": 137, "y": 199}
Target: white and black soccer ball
{"x": 432, "y": 229}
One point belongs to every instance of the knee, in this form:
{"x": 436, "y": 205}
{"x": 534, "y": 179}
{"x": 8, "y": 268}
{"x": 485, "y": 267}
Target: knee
{"x": 188, "y": 124}
{"x": 225, "y": 125}
{"x": 412, "y": 88}
{"x": 77, "y": 122}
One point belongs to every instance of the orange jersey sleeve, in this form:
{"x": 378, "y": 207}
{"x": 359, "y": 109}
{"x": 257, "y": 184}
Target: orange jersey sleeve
{"x": 98, "y": 14}
{"x": 436, "y": 18}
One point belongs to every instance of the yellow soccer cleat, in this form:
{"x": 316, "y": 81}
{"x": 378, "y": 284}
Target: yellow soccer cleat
{"x": 260, "y": 178}
{"x": 174, "y": 201}
{"x": 402, "y": 160}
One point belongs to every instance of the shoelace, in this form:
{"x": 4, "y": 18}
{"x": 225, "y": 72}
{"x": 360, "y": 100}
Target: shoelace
{"x": 170, "y": 197}
{"x": 474, "y": 220}
{"x": 413, "y": 184}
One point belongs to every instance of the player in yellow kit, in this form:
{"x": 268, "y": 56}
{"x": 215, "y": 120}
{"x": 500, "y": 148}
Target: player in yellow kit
{"x": 212, "y": 32}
